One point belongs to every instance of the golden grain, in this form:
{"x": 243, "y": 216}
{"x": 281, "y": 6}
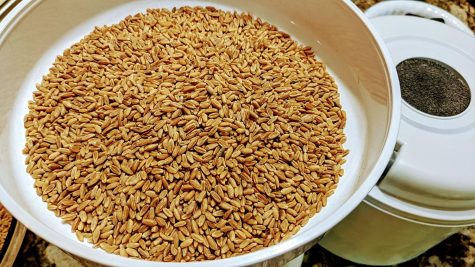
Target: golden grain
{"x": 185, "y": 135}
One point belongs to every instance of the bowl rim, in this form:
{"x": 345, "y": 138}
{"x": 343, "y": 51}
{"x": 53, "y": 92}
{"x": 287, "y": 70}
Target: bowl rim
{"x": 23, "y": 7}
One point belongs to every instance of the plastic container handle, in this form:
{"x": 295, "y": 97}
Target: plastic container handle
{"x": 417, "y": 8}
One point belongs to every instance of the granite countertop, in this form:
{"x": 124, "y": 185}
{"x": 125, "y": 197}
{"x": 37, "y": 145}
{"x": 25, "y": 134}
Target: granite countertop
{"x": 457, "y": 250}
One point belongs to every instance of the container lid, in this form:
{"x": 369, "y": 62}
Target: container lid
{"x": 434, "y": 160}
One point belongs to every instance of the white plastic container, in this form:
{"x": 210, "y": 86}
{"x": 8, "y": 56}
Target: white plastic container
{"x": 33, "y": 32}
{"x": 428, "y": 193}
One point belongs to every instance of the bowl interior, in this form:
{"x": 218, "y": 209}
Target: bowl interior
{"x": 39, "y": 31}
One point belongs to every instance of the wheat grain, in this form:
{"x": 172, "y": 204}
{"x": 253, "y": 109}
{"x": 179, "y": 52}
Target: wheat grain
{"x": 184, "y": 135}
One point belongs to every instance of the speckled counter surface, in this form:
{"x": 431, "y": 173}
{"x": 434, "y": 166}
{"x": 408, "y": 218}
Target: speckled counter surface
{"x": 457, "y": 250}
{"x": 462, "y": 9}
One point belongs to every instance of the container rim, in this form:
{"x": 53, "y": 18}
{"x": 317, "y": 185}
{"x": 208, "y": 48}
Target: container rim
{"x": 407, "y": 211}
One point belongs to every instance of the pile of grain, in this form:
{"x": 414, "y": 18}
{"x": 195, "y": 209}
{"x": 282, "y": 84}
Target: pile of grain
{"x": 5, "y": 222}
{"x": 185, "y": 135}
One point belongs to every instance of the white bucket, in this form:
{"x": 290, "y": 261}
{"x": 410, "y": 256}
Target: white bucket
{"x": 33, "y": 32}
{"x": 428, "y": 193}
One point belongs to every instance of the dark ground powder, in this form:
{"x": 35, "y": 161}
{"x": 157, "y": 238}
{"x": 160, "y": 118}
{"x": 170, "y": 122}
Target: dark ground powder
{"x": 433, "y": 87}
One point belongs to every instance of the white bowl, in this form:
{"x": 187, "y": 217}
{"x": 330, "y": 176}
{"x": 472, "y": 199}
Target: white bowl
{"x": 34, "y": 32}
